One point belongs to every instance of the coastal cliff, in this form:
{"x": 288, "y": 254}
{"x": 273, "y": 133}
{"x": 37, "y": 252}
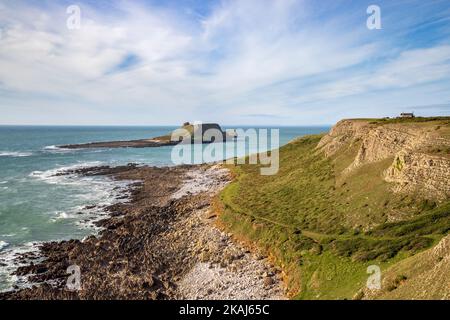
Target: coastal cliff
{"x": 371, "y": 192}
{"x": 420, "y": 152}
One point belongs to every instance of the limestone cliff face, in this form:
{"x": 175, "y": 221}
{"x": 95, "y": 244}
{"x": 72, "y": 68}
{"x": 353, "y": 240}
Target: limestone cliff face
{"x": 416, "y": 167}
{"x": 419, "y": 172}
{"x": 384, "y": 142}
{"x": 343, "y": 133}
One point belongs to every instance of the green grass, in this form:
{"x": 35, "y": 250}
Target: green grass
{"x": 322, "y": 227}
{"x": 435, "y": 221}
{"x": 409, "y": 120}
{"x": 168, "y": 137}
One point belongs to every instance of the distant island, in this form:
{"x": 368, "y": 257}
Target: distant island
{"x": 193, "y": 133}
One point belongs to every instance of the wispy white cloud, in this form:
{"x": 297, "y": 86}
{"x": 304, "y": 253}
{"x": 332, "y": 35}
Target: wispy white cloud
{"x": 290, "y": 61}
{"x": 409, "y": 69}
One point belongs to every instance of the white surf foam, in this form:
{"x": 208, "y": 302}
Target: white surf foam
{"x": 3, "y": 244}
{"x": 10, "y": 262}
{"x": 99, "y": 191}
{"x": 53, "y": 147}
{"x": 54, "y": 176}
{"x": 102, "y": 192}
{"x": 15, "y": 154}
{"x": 56, "y": 149}
{"x": 62, "y": 215}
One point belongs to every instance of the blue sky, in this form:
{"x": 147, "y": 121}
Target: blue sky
{"x": 234, "y": 62}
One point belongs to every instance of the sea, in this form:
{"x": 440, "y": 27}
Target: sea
{"x": 38, "y": 205}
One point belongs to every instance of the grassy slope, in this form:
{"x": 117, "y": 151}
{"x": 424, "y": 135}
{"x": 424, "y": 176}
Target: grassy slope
{"x": 189, "y": 128}
{"x": 422, "y": 276}
{"x": 311, "y": 220}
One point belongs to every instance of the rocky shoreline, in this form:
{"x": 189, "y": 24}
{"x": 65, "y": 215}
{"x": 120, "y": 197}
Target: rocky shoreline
{"x": 161, "y": 244}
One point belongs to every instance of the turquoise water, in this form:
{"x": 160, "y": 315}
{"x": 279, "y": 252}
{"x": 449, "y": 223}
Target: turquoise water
{"x": 36, "y": 206}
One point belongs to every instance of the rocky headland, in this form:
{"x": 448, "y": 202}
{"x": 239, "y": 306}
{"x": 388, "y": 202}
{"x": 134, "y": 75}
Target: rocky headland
{"x": 188, "y": 133}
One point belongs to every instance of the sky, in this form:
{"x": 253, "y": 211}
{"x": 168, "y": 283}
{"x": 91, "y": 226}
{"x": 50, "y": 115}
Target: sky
{"x": 251, "y": 62}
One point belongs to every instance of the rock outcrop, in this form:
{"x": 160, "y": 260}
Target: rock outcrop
{"x": 420, "y": 172}
{"x": 384, "y": 142}
{"x": 416, "y": 166}
{"x": 345, "y": 132}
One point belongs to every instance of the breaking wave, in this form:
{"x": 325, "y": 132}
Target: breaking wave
{"x": 15, "y": 154}
{"x": 57, "y": 175}
{"x": 102, "y": 192}
{"x": 10, "y": 261}
{"x": 3, "y": 244}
